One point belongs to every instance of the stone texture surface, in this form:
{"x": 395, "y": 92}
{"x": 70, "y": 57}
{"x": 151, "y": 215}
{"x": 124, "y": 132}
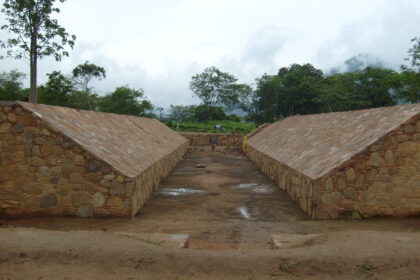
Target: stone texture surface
{"x": 316, "y": 144}
{"x": 223, "y": 139}
{"x": 374, "y": 169}
{"x": 63, "y": 162}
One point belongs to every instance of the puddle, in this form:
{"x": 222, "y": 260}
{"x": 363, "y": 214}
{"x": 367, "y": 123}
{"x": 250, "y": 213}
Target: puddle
{"x": 244, "y": 212}
{"x": 254, "y": 187}
{"x": 180, "y": 191}
{"x": 245, "y": 186}
{"x": 263, "y": 189}
{"x": 187, "y": 172}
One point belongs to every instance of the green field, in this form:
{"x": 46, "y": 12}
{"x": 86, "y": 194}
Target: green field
{"x": 227, "y": 127}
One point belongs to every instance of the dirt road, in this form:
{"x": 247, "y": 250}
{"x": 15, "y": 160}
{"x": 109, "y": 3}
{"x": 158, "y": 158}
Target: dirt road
{"x": 230, "y": 210}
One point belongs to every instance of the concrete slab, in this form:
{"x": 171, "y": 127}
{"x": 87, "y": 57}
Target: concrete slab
{"x": 159, "y": 239}
{"x": 284, "y": 241}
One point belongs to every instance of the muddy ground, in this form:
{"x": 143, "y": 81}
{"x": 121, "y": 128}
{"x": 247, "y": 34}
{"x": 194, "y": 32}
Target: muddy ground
{"x": 230, "y": 210}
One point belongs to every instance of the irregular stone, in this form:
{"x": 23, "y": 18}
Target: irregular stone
{"x": 98, "y": 200}
{"x": 407, "y": 147}
{"x": 79, "y": 160}
{"x": 341, "y": 183}
{"x": 329, "y": 185}
{"x": 48, "y": 201}
{"x": 402, "y": 138}
{"x": 28, "y": 138}
{"x": 109, "y": 177}
{"x": 350, "y": 175}
{"x": 80, "y": 198}
{"x": 105, "y": 183}
{"x": 45, "y": 170}
{"x": 45, "y": 150}
{"x": 54, "y": 180}
{"x": 116, "y": 188}
{"x": 57, "y": 150}
{"x": 389, "y": 158}
{"x": 409, "y": 129}
{"x": 372, "y": 175}
{"x": 129, "y": 189}
{"x": 63, "y": 181}
{"x": 350, "y": 193}
{"x": 360, "y": 180}
{"x": 390, "y": 143}
{"x": 40, "y": 141}
{"x": 333, "y": 198}
{"x": 375, "y": 148}
{"x": 76, "y": 178}
{"x": 45, "y": 132}
{"x": 5, "y": 127}
{"x": 32, "y": 188}
{"x": 36, "y": 151}
{"x": 33, "y": 130}
{"x": 93, "y": 176}
{"x": 120, "y": 179}
{"x": 380, "y": 188}
{"x": 375, "y": 159}
{"x": 416, "y": 137}
{"x": 36, "y": 161}
{"x": 418, "y": 126}
{"x": 11, "y": 117}
{"x": 18, "y": 128}
{"x": 115, "y": 204}
{"x": 92, "y": 166}
{"x": 76, "y": 187}
{"x": 56, "y": 171}
{"x": 84, "y": 211}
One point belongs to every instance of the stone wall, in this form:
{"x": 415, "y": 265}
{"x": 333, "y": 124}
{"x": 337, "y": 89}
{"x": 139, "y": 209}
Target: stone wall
{"x": 43, "y": 172}
{"x": 384, "y": 180}
{"x": 150, "y": 179}
{"x": 223, "y": 139}
{"x": 299, "y": 187}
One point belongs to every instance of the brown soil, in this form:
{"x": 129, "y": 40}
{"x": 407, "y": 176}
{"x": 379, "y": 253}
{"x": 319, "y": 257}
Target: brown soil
{"x": 230, "y": 210}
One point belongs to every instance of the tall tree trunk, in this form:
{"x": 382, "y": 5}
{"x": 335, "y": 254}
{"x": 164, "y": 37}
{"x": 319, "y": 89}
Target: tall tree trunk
{"x": 33, "y": 98}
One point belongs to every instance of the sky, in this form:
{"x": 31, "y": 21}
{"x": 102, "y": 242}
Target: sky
{"x": 159, "y": 45}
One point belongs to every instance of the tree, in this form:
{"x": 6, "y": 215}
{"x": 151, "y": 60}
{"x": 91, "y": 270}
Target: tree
{"x": 57, "y": 90}
{"x": 36, "y": 34}
{"x": 247, "y": 100}
{"x": 126, "y": 100}
{"x": 410, "y": 90}
{"x": 83, "y": 74}
{"x": 182, "y": 113}
{"x": 213, "y": 87}
{"x": 11, "y": 85}
{"x": 203, "y": 113}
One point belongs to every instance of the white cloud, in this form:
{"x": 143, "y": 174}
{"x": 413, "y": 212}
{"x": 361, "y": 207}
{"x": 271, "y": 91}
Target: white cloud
{"x": 158, "y": 45}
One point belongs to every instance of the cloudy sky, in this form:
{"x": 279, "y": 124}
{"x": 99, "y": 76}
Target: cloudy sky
{"x": 158, "y": 45}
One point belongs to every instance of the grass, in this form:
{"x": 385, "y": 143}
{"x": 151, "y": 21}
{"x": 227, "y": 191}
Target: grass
{"x": 227, "y": 127}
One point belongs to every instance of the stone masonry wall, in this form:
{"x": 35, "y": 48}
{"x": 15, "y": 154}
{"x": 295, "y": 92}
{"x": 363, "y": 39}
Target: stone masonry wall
{"x": 150, "y": 179}
{"x": 382, "y": 181}
{"x": 43, "y": 172}
{"x": 223, "y": 139}
{"x": 299, "y": 187}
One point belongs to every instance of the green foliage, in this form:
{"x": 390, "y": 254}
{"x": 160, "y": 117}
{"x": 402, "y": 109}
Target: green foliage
{"x": 213, "y": 87}
{"x": 292, "y": 91}
{"x": 36, "y": 34}
{"x": 57, "y": 90}
{"x": 202, "y": 113}
{"x": 182, "y": 113}
{"x": 126, "y": 100}
{"x": 84, "y": 73}
{"x": 11, "y": 86}
{"x": 227, "y": 126}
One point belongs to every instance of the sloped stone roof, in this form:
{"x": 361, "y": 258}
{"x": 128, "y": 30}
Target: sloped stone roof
{"x": 316, "y": 144}
{"x": 127, "y": 143}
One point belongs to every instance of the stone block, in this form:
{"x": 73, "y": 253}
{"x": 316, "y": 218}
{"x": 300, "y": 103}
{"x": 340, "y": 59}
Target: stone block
{"x": 85, "y": 211}
{"x": 98, "y": 200}
{"x": 350, "y": 193}
{"x": 5, "y": 127}
{"x": 48, "y": 201}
